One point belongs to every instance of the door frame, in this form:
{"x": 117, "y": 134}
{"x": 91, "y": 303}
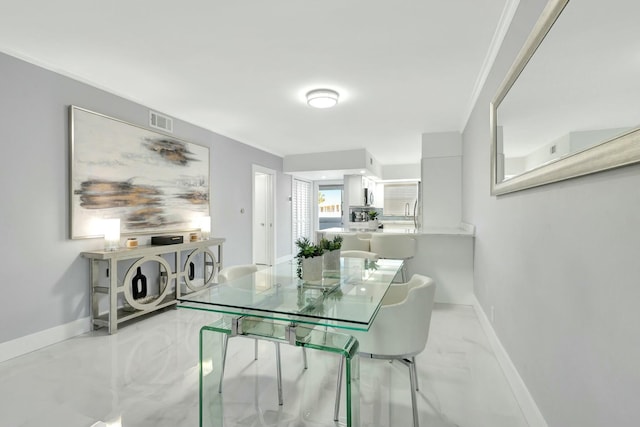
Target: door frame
{"x": 271, "y": 213}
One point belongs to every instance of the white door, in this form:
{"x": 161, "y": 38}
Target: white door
{"x": 263, "y": 216}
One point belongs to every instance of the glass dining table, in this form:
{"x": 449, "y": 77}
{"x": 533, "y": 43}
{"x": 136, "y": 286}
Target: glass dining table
{"x": 316, "y": 315}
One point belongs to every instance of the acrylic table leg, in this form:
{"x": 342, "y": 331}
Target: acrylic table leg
{"x": 211, "y": 401}
{"x": 352, "y": 367}
{"x": 346, "y": 346}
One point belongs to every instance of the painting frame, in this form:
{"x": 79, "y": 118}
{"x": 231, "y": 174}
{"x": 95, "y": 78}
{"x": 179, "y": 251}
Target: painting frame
{"x": 153, "y": 182}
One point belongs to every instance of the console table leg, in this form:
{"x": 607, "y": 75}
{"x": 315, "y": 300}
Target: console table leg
{"x": 113, "y": 297}
{"x": 93, "y": 277}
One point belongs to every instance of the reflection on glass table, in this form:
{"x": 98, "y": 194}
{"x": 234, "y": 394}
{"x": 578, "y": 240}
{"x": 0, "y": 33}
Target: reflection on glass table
{"x": 349, "y": 300}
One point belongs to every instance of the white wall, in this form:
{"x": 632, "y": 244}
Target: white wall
{"x": 409, "y": 171}
{"x": 330, "y": 160}
{"x": 544, "y": 155}
{"x": 447, "y": 259}
{"x": 441, "y": 179}
{"x": 348, "y": 160}
{"x": 45, "y": 282}
{"x": 560, "y": 264}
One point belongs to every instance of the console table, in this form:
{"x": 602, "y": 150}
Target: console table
{"x": 181, "y": 269}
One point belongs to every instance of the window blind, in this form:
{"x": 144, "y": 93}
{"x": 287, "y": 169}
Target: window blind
{"x": 301, "y": 210}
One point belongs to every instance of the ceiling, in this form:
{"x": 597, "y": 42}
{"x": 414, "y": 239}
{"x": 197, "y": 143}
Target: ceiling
{"x": 242, "y": 68}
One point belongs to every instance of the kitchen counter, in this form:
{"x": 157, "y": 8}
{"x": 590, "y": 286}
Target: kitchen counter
{"x": 444, "y": 254}
{"x": 463, "y": 230}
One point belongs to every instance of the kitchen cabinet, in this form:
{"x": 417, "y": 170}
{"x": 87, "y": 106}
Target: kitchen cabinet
{"x": 378, "y": 192}
{"x": 355, "y": 186}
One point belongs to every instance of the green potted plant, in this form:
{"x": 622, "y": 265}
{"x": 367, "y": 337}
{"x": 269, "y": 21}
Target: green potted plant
{"x": 309, "y": 258}
{"x": 373, "y": 220}
{"x": 331, "y": 256}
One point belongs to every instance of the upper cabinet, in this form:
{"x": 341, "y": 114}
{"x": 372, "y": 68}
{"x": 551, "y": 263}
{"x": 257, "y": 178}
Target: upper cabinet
{"x": 360, "y": 191}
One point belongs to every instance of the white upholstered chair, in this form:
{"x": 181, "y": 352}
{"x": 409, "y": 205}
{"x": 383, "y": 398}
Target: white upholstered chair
{"x": 394, "y": 246}
{"x": 236, "y": 271}
{"x": 227, "y": 275}
{"x": 400, "y": 330}
{"x": 359, "y": 254}
{"x": 354, "y": 242}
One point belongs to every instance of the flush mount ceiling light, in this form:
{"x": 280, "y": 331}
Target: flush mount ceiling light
{"x": 322, "y": 98}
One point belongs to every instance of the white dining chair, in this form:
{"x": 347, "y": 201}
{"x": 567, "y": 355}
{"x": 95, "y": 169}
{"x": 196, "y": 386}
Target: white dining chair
{"x": 399, "y": 331}
{"x": 360, "y": 254}
{"x": 229, "y": 274}
{"x": 351, "y": 241}
{"x": 395, "y": 246}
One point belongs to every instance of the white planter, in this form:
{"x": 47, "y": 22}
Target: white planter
{"x": 331, "y": 261}
{"x": 312, "y": 269}
{"x": 373, "y": 224}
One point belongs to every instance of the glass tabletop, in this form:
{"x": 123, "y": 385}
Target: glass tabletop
{"x": 347, "y": 299}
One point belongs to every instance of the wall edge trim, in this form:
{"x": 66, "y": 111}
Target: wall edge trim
{"x": 36, "y": 341}
{"x": 529, "y": 408}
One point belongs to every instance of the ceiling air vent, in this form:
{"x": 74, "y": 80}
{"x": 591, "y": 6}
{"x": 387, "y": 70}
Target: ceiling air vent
{"x": 159, "y": 121}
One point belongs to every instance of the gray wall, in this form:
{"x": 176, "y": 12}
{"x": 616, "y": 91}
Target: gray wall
{"x": 561, "y": 266}
{"x": 44, "y": 281}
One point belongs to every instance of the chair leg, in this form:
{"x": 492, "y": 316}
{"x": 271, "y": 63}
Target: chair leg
{"x": 415, "y": 372}
{"x": 304, "y": 358}
{"x": 255, "y": 349}
{"x": 338, "y": 390}
{"x": 414, "y": 386}
{"x": 225, "y": 342}
{"x": 278, "y": 373}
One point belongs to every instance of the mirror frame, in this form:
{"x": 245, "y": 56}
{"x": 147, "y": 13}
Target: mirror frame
{"x": 620, "y": 151}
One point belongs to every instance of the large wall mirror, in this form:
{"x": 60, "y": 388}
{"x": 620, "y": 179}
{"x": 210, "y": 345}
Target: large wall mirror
{"x": 570, "y": 104}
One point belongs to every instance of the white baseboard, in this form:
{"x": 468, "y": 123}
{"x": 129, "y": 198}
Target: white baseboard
{"x": 38, "y": 340}
{"x": 528, "y": 406}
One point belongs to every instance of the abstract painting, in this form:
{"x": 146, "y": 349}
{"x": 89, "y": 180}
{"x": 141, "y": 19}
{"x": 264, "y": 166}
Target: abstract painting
{"x": 151, "y": 181}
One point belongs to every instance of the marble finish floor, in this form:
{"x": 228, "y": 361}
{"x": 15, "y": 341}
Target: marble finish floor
{"x": 146, "y": 375}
